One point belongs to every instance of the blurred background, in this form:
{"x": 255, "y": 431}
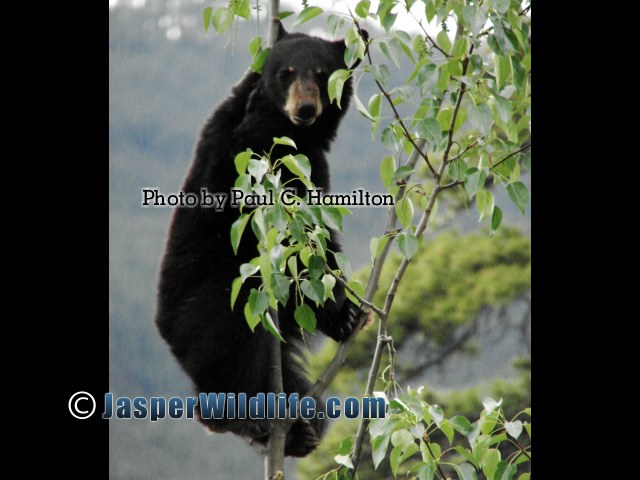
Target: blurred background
{"x": 463, "y": 321}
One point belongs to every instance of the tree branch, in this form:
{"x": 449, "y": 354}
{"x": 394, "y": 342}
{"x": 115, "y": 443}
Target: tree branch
{"x": 274, "y": 460}
{"x": 396, "y": 115}
{"x": 422, "y": 225}
{"x": 363, "y": 301}
{"x": 520, "y": 150}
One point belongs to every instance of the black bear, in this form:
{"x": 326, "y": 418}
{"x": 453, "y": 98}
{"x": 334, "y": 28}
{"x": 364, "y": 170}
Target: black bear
{"x": 213, "y": 342}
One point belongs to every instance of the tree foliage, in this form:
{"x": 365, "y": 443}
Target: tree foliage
{"x": 457, "y": 107}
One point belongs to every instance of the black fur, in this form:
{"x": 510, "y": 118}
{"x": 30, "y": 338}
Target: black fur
{"x": 212, "y": 342}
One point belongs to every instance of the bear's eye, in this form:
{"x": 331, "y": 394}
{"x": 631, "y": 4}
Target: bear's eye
{"x": 287, "y": 73}
{"x": 321, "y": 75}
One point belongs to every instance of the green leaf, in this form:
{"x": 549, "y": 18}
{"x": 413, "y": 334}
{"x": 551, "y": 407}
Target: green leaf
{"x": 284, "y": 141}
{"x": 443, "y": 77}
{"x": 485, "y": 203}
{"x": 447, "y": 429}
{"x": 431, "y": 130}
{"x": 387, "y": 169}
{"x": 305, "y": 317}
{"x": 426, "y": 472}
{"x": 443, "y": 41}
{"x": 408, "y": 245}
{"x": 336, "y": 84}
{"x": 525, "y": 476}
{"x": 313, "y": 289}
{"x": 299, "y": 165}
{"x": 258, "y": 301}
{"x": 280, "y": 286}
{"x": 307, "y": 14}
{"x": 267, "y": 322}
{"x": 265, "y": 268}
{"x": 361, "y": 108}
{"x": 241, "y": 8}
{"x": 381, "y": 73}
{"x": 344, "y": 460}
{"x": 430, "y": 10}
{"x": 431, "y": 453}
{"x": 481, "y": 119}
{"x": 345, "y": 447}
{"x": 355, "y": 47}
{"x": 475, "y": 181}
{"x": 503, "y": 109}
{"x": 252, "y": 320}
{"x": 316, "y": 267}
{"x": 259, "y": 59}
{"x": 505, "y": 471}
{"x": 206, "y": 18}
{"x": 460, "y": 49}
{"x": 466, "y": 453}
{"x": 362, "y": 8}
{"x": 465, "y": 471}
{"x": 400, "y": 437}
{"x": 329, "y": 282}
{"x": 490, "y": 462}
{"x": 404, "y": 211}
{"x": 242, "y": 160}
{"x": 502, "y": 71}
{"x": 513, "y": 428}
{"x": 343, "y": 264}
{"x": 386, "y": 18}
{"x": 519, "y": 75}
{"x": 293, "y": 266}
{"x": 235, "y": 290}
{"x": 436, "y": 413}
{"x": 490, "y": 404}
{"x": 375, "y": 103}
{"x": 332, "y": 217}
{"x": 237, "y": 229}
{"x": 222, "y": 19}
{"x": 257, "y": 168}
{"x": 247, "y": 269}
{"x": 357, "y": 287}
{"x": 496, "y": 220}
{"x": 501, "y": 6}
{"x": 389, "y": 53}
{"x": 379, "y": 449}
{"x": 461, "y": 424}
{"x": 519, "y": 195}
{"x": 475, "y": 17}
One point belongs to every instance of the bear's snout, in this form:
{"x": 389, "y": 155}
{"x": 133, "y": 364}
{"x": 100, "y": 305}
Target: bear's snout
{"x": 306, "y": 111}
{"x": 303, "y": 105}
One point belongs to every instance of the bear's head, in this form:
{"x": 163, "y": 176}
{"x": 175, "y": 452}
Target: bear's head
{"x": 296, "y": 73}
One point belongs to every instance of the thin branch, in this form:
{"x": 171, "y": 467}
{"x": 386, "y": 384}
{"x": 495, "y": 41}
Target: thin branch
{"x": 372, "y": 287}
{"x": 520, "y": 150}
{"x": 435, "y": 45}
{"x": 452, "y": 184}
{"x": 467, "y": 148}
{"x": 422, "y": 225}
{"x": 274, "y": 11}
{"x": 274, "y": 460}
{"x": 461, "y": 90}
{"x": 363, "y": 301}
{"x": 396, "y": 115}
{"x": 425, "y": 439}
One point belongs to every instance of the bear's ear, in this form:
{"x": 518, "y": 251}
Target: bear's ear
{"x": 281, "y": 31}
